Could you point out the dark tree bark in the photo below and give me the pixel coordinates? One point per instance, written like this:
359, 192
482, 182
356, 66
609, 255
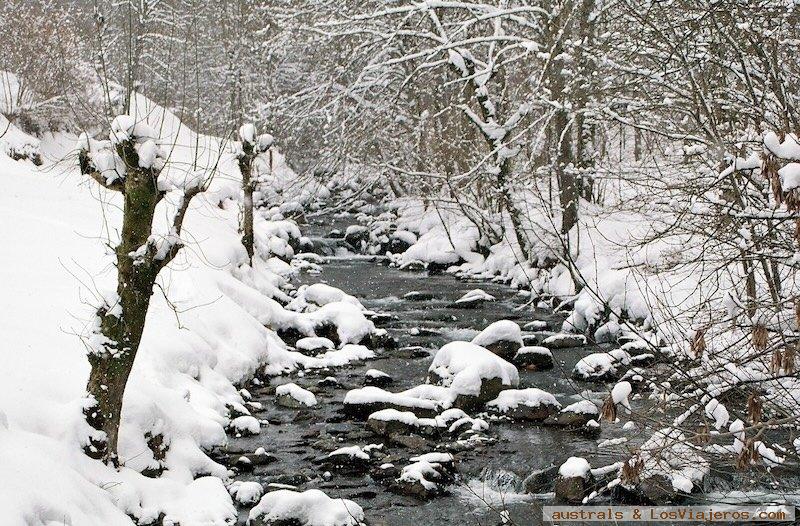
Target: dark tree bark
248, 187
138, 261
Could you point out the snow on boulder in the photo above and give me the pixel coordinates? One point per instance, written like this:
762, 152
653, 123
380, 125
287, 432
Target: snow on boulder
349, 460
389, 422
472, 299
293, 396
427, 476
341, 322
535, 325
246, 492
530, 404
377, 378
309, 508
564, 341
245, 425
367, 400
314, 345
601, 367
311, 297
576, 415
575, 480
474, 374
504, 338
533, 358
401, 240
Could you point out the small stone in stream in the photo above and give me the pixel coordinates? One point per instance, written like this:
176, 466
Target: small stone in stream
380, 318
243, 464
412, 442
377, 378
303, 416
414, 265
328, 381
243, 426
533, 358
335, 234
564, 341
384, 472
574, 481
472, 299
575, 415
380, 339
535, 325
423, 331
247, 461
314, 345
601, 367
541, 480
416, 295
351, 460
291, 479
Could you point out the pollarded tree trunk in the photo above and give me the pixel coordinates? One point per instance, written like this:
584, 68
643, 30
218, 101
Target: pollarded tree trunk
139, 259
248, 186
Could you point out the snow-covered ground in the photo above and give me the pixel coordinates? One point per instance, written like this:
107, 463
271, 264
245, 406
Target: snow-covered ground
206, 331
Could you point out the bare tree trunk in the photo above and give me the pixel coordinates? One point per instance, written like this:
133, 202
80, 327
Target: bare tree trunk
248, 186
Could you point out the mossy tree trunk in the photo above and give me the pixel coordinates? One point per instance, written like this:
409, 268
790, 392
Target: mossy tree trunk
121, 325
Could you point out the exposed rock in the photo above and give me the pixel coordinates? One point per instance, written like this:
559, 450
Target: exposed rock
472, 300
357, 236
416, 295
427, 477
541, 480
351, 460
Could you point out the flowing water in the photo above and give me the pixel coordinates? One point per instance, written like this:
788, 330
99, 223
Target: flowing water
490, 477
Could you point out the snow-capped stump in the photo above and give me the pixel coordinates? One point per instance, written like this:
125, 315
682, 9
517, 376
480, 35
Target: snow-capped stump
244, 425
350, 460
574, 481
564, 341
357, 236
286, 507
474, 374
601, 367
245, 492
377, 378
428, 476
533, 358
362, 402
530, 404
472, 299
503, 337
314, 345
575, 415
293, 396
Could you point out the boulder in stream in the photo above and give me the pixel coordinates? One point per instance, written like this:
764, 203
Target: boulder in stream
285, 507
293, 396
533, 358
472, 299
564, 341
314, 345
426, 477
503, 337
377, 378
530, 404
601, 367
576, 415
575, 480
474, 374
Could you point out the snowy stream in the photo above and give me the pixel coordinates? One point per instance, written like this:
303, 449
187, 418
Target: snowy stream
490, 477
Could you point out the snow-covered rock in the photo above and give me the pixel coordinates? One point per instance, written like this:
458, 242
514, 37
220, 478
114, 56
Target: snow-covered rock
309, 508
377, 378
533, 358
564, 341
314, 345
367, 400
472, 299
427, 476
504, 338
576, 415
389, 422
246, 492
530, 404
245, 425
601, 367
575, 480
350, 460
474, 374
293, 396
